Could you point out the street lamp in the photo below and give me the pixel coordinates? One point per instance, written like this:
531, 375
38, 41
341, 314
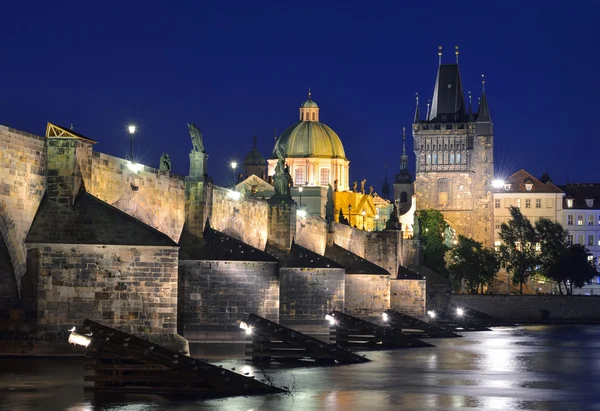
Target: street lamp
131, 129
233, 167
300, 191
363, 212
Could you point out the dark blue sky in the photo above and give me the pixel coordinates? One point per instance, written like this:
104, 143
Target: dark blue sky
242, 68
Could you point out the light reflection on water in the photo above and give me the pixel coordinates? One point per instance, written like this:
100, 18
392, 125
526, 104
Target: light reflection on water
524, 368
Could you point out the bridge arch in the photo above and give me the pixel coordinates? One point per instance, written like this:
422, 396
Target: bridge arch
137, 209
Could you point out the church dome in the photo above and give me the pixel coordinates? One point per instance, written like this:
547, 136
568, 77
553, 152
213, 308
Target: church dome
311, 139
309, 104
404, 177
254, 158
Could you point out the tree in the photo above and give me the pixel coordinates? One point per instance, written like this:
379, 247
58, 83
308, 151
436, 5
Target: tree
517, 253
474, 263
432, 226
567, 264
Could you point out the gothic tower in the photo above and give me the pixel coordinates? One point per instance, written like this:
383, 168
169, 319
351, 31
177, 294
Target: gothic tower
455, 160
404, 187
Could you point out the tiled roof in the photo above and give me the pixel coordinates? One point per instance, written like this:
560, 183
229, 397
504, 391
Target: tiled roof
581, 192
518, 182
352, 262
91, 221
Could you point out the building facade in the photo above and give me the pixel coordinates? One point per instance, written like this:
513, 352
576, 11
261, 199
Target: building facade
454, 154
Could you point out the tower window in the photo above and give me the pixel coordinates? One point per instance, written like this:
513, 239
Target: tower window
428, 158
313, 116
451, 158
442, 188
435, 158
457, 158
299, 178
403, 197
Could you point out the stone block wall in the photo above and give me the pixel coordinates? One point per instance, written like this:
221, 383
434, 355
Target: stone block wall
410, 254
352, 239
282, 223
130, 288
311, 233
308, 294
154, 197
367, 295
246, 218
408, 297
439, 289
534, 308
215, 295
383, 248
22, 185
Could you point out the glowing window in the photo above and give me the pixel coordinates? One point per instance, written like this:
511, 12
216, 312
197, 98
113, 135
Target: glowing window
299, 178
324, 176
579, 220
527, 203
442, 186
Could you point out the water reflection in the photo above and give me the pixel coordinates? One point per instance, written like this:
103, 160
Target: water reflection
529, 368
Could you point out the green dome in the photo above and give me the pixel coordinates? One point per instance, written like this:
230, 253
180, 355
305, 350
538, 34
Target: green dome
309, 104
311, 139
254, 158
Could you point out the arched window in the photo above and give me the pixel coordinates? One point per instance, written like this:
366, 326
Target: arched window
403, 197
428, 158
324, 176
442, 188
457, 158
313, 116
435, 158
299, 176
451, 158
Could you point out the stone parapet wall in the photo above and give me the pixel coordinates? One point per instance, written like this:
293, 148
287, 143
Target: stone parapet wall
308, 294
534, 308
245, 218
130, 288
352, 239
154, 197
408, 297
367, 295
311, 233
22, 185
384, 249
214, 296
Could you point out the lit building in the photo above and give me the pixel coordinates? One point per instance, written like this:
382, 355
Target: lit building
535, 199
580, 215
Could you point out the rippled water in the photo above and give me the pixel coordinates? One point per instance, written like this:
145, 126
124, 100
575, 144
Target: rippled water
522, 368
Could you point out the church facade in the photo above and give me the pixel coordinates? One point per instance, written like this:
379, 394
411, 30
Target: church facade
454, 149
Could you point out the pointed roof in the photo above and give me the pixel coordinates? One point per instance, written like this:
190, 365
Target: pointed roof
484, 111
218, 246
54, 130
448, 104
352, 262
417, 118
91, 221
300, 257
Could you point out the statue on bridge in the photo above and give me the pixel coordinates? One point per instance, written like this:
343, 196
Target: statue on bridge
282, 179
362, 185
196, 136
329, 204
165, 162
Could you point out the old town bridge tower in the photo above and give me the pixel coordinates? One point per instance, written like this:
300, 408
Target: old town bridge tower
454, 150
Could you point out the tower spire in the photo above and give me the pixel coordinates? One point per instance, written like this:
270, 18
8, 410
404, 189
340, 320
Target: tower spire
456, 52
484, 110
404, 156
417, 113
439, 55
470, 107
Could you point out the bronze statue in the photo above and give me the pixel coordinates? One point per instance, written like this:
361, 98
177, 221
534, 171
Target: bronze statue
370, 190
329, 204
165, 162
354, 185
335, 185
362, 185
282, 180
196, 136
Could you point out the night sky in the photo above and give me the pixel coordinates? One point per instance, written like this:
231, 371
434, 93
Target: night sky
239, 69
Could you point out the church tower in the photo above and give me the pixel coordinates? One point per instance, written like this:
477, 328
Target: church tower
455, 162
404, 187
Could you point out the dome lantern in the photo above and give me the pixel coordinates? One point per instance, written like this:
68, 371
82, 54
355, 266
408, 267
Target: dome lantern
309, 110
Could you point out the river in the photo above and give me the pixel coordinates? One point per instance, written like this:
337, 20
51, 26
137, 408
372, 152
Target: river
546, 367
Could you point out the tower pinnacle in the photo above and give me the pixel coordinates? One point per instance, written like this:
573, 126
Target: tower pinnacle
417, 113
456, 52
440, 55
484, 110
309, 94
404, 156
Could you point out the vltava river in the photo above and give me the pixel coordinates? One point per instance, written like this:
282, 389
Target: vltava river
522, 368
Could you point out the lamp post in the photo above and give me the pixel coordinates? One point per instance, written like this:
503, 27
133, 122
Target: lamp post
350, 214
131, 133
363, 212
233, 167
300, 191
